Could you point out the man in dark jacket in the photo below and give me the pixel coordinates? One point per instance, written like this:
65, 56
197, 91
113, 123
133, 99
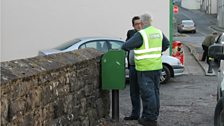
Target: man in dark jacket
209, 40
134, 88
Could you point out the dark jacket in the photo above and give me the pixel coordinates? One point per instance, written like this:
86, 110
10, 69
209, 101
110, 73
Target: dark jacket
209, 40
130, 33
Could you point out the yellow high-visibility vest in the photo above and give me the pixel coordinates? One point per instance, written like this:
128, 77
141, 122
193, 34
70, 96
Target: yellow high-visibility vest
149, 56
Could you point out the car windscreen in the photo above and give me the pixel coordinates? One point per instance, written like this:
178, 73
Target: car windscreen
67, 44
187, 23
220, 39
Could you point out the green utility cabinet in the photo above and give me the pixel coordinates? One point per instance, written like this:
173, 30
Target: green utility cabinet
113, 70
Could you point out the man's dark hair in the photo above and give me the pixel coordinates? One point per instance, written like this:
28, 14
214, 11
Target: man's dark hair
135, 18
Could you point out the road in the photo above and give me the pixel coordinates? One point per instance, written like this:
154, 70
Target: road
202, 21
203, 24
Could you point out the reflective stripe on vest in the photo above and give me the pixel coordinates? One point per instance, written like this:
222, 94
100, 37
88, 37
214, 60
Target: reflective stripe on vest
148, 56
148, 50
145, 38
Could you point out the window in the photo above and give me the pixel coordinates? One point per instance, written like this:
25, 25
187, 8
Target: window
115, 44
98, 45
188, 23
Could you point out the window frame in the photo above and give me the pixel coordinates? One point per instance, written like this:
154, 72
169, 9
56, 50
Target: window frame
91, 42
114, 41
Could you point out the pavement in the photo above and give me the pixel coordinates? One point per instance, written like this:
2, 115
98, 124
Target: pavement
217, 28
197, 52
205, 23
195, 48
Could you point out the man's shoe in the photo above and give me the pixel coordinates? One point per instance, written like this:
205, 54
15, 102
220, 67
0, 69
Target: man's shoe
131, 118
146, 122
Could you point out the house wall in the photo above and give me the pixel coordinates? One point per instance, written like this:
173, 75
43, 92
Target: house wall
32, 25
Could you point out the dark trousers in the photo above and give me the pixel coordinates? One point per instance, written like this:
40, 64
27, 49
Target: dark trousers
205, 53
149, 89
134, 92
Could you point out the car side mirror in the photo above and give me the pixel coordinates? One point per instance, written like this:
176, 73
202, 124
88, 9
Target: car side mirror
216, 51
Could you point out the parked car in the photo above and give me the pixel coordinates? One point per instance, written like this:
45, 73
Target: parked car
216, 51
186, 26
219, 110
171, 65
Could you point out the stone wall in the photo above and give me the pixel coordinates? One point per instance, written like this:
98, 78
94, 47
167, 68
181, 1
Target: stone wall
61, 89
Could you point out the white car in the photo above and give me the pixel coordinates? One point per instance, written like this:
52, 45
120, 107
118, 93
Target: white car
171, 65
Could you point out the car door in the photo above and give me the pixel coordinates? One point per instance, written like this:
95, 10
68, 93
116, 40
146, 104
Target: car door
221, 76
221, 68
100, 45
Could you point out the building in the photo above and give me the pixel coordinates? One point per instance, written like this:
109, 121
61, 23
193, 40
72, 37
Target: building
191, 4
177, 2
209, 6
220, 16
214, 7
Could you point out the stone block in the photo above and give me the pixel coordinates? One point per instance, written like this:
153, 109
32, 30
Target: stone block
33, 98
4, 109
17, 107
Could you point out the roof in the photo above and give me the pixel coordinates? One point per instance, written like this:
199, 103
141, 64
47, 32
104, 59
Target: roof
187, 21
94, 38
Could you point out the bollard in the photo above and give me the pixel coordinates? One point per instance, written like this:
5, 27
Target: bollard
209, 68
210, 60
115, 105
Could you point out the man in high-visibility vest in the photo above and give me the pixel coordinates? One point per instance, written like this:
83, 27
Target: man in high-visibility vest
148, 45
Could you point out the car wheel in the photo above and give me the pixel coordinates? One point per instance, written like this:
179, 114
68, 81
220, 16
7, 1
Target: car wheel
219, 113
165, 76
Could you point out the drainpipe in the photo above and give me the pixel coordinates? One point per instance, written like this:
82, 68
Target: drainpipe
210, 7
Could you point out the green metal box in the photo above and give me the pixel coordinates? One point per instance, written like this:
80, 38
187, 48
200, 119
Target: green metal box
113, 70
